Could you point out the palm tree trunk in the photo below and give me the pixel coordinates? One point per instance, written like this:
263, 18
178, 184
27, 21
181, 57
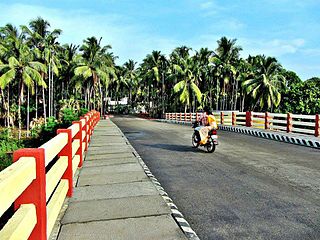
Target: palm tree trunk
101, 98
36, 100
232, 96
52, 96
236, 96
93, 91
49, 92
44, 105
62, 90
4, 104
28, 112
8, 117
243, 101
85, 98
19, 107
162, 94
106, 97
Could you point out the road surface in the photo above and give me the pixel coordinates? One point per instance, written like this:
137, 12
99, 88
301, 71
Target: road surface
249, 188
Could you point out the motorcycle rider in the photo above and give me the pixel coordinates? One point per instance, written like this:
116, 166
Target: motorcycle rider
209, 122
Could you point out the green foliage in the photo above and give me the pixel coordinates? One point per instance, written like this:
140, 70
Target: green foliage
303, 97
7, 146
68, 116
82, 112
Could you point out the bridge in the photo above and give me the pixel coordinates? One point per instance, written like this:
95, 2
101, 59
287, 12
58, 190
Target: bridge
249, 188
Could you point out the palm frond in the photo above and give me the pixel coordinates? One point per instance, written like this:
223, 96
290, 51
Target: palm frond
7, 77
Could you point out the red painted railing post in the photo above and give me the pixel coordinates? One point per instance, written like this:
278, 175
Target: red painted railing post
78, 136
221, 118
176, 116
234, 119
289, 122
67, 152
35, 192
266, 121
197, 116
317, 126
249, 121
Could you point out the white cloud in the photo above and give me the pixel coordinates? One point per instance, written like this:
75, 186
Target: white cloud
128, 40
311, 52
206, 5
274, 47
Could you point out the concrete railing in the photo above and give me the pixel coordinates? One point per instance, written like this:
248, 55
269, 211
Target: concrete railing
39, 180
296, 123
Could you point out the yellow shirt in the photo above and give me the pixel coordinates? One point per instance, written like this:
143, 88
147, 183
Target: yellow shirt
212, 121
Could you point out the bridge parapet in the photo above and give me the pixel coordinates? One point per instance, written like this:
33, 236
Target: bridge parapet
39, 180
295, 123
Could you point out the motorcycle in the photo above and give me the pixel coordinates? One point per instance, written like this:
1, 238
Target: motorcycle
212, 139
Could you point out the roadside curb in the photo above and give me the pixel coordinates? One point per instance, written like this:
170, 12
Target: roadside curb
280, 137
176, 214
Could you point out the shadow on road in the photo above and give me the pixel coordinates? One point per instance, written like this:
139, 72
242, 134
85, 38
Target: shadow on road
174, 147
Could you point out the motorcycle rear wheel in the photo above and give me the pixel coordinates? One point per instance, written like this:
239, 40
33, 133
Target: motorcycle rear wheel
210, 146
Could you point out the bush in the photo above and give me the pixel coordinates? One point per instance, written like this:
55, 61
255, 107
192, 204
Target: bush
7, 146
83, 111
68, 116
48, 131
40, 134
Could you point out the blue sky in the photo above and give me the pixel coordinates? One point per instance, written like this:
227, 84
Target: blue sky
286, 29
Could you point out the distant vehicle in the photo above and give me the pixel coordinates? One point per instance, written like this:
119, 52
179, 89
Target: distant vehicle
212, 139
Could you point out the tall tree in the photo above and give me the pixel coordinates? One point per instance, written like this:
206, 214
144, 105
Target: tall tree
225, 60
96, 65
21, 66
266, 83
186, 86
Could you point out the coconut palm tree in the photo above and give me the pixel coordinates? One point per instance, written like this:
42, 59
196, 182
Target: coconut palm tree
225, 60
266, 83
39, 37
95, 65
21, 66
130, 75
186, 86
203, 73
67, 57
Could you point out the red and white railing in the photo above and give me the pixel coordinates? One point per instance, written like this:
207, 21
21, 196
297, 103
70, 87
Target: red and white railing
295, 123
39, 180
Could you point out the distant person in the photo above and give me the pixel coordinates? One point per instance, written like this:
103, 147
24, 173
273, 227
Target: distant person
208, 122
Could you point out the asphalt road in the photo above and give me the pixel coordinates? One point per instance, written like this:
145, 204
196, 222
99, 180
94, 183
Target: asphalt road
249, 188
